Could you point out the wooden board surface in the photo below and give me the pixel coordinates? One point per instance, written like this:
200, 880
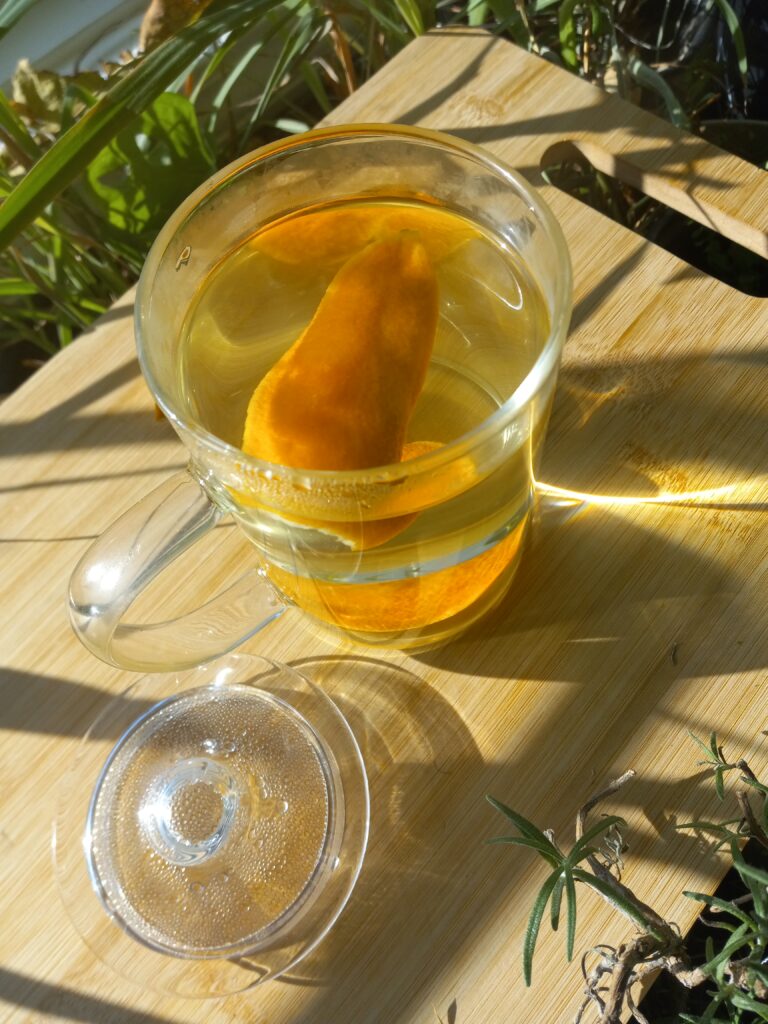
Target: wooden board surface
628, 624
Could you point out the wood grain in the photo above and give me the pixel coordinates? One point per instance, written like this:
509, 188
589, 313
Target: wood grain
628, 624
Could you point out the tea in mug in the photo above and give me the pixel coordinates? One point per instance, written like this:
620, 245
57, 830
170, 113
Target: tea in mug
362, 334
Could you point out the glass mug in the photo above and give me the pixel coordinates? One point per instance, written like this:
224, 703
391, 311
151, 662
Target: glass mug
455, 516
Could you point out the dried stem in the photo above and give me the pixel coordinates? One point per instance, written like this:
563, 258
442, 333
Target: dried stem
609, 983
666, 933
343, 52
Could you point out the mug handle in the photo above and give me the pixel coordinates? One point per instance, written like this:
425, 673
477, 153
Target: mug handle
132, 552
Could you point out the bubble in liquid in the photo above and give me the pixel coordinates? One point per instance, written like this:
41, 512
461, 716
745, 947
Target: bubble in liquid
278, 829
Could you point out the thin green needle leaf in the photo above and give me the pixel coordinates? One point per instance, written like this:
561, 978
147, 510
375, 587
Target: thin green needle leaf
739, 938
534, 922
531, 844
523, 825
617, 899
130, 95
746, 1002
725, 905
580, 848
703, 745
719, 787
570, 893
745, 869
557, 898
713, 745
754, 783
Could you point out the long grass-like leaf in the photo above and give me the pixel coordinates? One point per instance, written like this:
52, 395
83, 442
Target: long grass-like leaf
17, 286
312, 77
534, 922
567, 26
382, 17
734, 27
477, 13
296, 41
411, 15
16, 133
131, 94
650, 79
11, 11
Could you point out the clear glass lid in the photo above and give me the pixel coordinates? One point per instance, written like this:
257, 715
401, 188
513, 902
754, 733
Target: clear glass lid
219, 838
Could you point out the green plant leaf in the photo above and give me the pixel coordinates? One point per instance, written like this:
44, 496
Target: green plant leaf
617, 898
531, 844
527, 828
381, 16
131, 94
150, 166
580, 849
509, 20
734, 27
411, 15
708, 750
557, 897
719, 787
11, 11
570, 892
567, 28
755, 784
739, 938
724, 905
297, 40
745, 869
17, 286
534, 922
650, 79
311, 76
746, 1002
477, 13
16, 132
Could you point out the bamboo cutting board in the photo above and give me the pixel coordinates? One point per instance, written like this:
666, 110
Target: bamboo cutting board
628, 624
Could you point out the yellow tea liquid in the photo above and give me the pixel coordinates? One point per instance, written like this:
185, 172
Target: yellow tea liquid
440, 569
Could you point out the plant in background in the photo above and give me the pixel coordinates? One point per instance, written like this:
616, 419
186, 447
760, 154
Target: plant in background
92, 164
734, 970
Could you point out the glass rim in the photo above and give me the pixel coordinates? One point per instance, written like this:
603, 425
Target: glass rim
422, 464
